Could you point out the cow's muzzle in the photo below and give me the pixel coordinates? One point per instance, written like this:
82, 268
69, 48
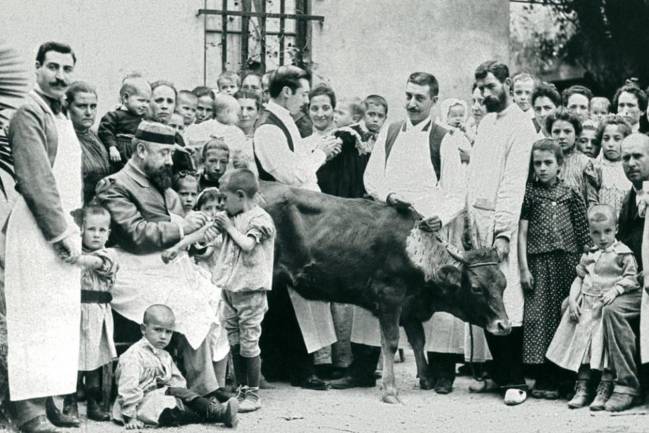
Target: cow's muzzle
499, 327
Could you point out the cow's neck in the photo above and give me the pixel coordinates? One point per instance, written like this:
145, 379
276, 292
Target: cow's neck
427, 253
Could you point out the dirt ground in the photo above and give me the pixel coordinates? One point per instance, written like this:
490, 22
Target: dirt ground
293, 410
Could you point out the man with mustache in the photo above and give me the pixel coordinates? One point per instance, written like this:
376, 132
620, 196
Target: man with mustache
146, 219
42, 284
497, 175
416, 164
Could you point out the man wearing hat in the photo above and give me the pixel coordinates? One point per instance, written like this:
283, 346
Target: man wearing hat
146, 219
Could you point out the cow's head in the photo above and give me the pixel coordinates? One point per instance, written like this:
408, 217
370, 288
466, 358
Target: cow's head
475, 289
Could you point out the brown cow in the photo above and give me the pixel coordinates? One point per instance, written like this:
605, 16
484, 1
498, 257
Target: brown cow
365, 253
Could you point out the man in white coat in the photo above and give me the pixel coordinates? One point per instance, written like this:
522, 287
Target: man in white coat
415, 163
293, 327
497, 175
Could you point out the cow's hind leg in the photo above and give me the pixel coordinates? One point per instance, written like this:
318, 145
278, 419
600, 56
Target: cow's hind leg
416, 338
389, 319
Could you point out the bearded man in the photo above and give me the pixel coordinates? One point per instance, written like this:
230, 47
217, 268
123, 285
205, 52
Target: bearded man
146, 220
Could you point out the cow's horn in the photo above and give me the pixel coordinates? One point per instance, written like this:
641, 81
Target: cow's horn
456, 253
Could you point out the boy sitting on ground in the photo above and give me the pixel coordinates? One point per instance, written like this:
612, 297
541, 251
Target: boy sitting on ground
150, 388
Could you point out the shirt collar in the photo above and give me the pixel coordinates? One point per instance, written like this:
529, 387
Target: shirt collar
278, 110
512, 107
56, 105
422, 126
146, 343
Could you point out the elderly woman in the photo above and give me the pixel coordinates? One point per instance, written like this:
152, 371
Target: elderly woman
82, 106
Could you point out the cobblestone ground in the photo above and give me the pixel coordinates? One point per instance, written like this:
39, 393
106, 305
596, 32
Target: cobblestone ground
288, 410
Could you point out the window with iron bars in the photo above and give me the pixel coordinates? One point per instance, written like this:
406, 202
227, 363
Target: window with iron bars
255, 35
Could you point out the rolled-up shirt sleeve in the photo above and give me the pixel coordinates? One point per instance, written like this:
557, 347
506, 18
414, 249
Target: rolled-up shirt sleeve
34, 177
276, 158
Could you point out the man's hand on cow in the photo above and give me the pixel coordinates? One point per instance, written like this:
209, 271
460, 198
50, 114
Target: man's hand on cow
114, 154
431, 225
194, 221
527, 281
397, 201
68, 249
502, 248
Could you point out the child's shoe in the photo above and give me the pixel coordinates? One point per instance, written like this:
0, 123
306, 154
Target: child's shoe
70, 406
582, 395
241, 393
603, 393
224, 412
251, 402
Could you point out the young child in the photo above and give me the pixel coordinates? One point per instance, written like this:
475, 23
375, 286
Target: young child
376, 112
186, 185
150, 388
228, 83
186, 105
608, 270
578, 170
348, 111
587, 142
454, 114
551, 237
522, 88
177, 122
599, 108
615, 185
243, 266
204, 104
96, 337
134, 94
226, 113
215, 159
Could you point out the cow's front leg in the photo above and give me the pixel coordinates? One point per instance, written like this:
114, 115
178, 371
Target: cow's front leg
389, 319
416, 338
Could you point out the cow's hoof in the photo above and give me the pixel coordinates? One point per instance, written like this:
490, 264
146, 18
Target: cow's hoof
426, 383
391, 399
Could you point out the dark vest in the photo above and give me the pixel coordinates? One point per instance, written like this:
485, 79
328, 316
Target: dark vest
435, 137
268, 118
630, 227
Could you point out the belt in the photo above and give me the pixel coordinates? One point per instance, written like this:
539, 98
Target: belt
93, 297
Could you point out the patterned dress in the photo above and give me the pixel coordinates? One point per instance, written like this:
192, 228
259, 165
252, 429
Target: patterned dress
96, 340
556, 236
579, 173
615, 184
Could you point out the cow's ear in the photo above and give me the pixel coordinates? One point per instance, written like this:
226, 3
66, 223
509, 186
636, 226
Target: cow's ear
450, 275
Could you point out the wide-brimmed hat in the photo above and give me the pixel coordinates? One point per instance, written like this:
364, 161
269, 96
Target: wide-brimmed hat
156, 133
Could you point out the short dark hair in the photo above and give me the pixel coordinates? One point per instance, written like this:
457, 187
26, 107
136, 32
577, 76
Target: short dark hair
78, 87
323, 90
201, 91
545, 144
249, 94
187, 93
286, 76
613, 119
498, 69
376, 100
547, 90
208, 194
215, 144
563, 114
636, 91
54, 46
184, 176
93, 208
576, 89
425, 79
241, 179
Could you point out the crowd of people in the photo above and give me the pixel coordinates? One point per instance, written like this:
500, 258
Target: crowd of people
152, 227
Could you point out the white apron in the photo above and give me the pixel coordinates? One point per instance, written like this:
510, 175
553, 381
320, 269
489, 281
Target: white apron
644, 305
144, 280
43, 293
366, 329
316, 323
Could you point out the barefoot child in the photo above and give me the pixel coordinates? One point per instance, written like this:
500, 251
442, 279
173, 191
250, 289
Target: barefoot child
150, 388
96, 338
607, 271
